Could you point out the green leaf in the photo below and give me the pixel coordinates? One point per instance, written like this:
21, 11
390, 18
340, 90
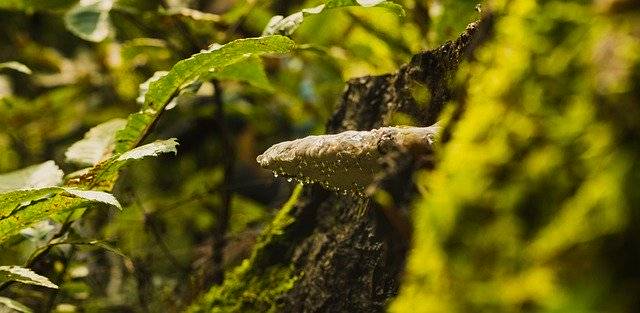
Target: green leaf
137, 126
21, 208
287, 25
251, 71
14, 305
16, 66
97, 144
144, 87
186, 72
89, 19
36, 209
12, 201
93, 195
369, 3
191, 69
46, 174
24, 275
389, 5
103, 175
152, 149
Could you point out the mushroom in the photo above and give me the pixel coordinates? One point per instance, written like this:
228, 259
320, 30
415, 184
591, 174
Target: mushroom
346, 162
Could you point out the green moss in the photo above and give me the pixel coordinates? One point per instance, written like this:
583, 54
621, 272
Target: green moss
256, 284
530, 206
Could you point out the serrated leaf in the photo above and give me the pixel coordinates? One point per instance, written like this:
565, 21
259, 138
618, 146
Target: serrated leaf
287, 25
16, 66
137, 126
14, 305
89, 19
389, 5
93, 195
187, 71
31, 208
24, 275
11, 201
152, 149
21, 208
103, 175
250, 71
369, 3
46, 174
144, 87
97, 143
26, 214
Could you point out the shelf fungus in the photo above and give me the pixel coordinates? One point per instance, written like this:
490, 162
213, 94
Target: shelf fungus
346, 162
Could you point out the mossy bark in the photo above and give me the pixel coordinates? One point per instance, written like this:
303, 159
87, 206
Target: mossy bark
342, 253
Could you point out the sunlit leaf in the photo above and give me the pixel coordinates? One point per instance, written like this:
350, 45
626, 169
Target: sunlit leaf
369, 3
93, 195
22, 208
11, 201
191, 69
186, 72
287, 25
144, 87
389, 5
46, 174
14, 305
97, 143
89, 19
24, 275
152, 149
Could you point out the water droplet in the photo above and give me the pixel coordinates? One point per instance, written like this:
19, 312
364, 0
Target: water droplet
289, 179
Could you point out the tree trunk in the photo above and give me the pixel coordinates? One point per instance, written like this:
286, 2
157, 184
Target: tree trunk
341, 253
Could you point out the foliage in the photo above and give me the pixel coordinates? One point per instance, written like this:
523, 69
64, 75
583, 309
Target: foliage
70, 68
24, 275
531, 206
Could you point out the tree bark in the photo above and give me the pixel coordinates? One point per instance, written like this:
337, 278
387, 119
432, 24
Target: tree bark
350, 253
346, 253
